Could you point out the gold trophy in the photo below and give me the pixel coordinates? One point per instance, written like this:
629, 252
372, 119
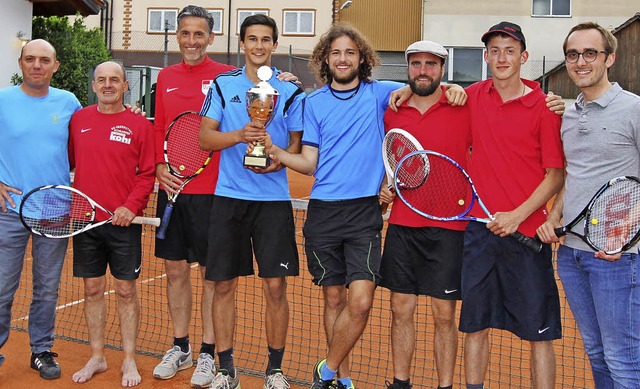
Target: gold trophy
261, 103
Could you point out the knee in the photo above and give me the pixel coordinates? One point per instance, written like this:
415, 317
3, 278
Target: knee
360, 305
402, 308
275, 289
334, 299
224, 288
177, 273
126, 292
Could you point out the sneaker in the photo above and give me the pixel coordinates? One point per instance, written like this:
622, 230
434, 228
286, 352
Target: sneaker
275, 380
45, 363
223, 380
172, 362
205, 371
319, 383
340, 385
1, 359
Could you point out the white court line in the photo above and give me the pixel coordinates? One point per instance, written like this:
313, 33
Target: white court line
112, 291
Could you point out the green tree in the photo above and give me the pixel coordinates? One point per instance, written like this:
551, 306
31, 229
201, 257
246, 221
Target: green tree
78, 49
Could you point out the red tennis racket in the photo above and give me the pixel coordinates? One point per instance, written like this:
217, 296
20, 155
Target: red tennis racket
437, 187
396, 144
184, 158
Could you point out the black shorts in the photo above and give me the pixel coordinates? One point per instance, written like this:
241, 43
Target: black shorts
240, 228
342, 240
118, 247
423, 261
187, 232
507, 286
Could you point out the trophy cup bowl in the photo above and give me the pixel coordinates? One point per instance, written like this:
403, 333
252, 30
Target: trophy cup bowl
261, 103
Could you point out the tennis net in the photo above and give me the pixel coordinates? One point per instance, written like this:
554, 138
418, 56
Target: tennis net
371, 360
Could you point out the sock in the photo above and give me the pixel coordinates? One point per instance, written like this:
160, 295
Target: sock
402, 383
183, 343
226, 361
208, 348
275, 359
475, 386
346, 381
445, 387
326, 374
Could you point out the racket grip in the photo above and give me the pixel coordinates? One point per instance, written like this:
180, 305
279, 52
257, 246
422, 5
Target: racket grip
533, 244
152, 221
166, 216
384, 207
560, 231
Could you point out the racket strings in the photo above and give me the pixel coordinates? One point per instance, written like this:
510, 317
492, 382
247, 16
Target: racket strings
434, 186
183, 150
397, 146
614, 218
57, 211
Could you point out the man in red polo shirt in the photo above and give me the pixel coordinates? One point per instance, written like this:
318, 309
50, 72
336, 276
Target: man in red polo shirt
517, 166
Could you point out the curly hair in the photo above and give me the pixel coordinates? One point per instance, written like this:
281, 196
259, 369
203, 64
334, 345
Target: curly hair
368, 55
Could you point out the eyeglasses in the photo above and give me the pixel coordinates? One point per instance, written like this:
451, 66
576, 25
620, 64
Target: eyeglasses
587, 55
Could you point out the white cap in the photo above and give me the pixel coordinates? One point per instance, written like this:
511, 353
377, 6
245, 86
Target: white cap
426, 47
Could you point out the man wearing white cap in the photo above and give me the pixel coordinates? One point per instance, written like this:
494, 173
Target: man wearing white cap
423, 257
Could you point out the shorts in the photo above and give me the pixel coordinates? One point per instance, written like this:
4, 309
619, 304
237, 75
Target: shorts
424, 261
507, 286
187, 232
118, 247
342, 240
240, 228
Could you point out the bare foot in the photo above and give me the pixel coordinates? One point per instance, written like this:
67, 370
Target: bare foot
94, 366
130, 375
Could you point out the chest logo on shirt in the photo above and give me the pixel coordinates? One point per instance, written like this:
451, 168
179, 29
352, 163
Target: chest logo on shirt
54, 119
206, 85
121, 134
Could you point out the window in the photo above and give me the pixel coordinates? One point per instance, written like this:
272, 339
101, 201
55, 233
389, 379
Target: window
551, 8
158, 19
299, 22
245, 13
217, 20
465, 66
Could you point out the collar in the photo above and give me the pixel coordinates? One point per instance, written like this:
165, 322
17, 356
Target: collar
201, 65
603, 100
528, 100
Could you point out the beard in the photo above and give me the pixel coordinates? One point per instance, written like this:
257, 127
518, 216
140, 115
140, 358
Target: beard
345, 78
424, 90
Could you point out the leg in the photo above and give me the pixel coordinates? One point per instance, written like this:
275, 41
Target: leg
403, 334
277, 311
48, 259
13, 245
351, 322
335, 300
476, 356
224, 313
129, 314
95, 315
445, 339
179, 295
543, 365
207, 305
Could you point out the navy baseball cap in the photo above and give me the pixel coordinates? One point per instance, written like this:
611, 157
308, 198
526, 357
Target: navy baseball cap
511, 29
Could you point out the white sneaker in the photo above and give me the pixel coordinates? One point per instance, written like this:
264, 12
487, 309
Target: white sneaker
205, 371
223, 380
172, 362
275, 380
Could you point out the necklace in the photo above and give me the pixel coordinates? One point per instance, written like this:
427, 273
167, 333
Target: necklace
344, 98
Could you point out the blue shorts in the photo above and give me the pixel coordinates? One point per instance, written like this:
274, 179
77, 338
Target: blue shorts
506, 285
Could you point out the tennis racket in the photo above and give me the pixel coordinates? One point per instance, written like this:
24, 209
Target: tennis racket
437, 187
58, 211
612, 217
183, 156
396, 144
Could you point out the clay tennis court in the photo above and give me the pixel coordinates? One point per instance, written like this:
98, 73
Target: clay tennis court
371, 359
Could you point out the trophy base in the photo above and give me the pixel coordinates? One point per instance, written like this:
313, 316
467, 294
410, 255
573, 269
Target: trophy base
261, 161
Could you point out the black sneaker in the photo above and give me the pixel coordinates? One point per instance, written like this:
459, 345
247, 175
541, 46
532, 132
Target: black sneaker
1, 359
318, 382
45, 363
